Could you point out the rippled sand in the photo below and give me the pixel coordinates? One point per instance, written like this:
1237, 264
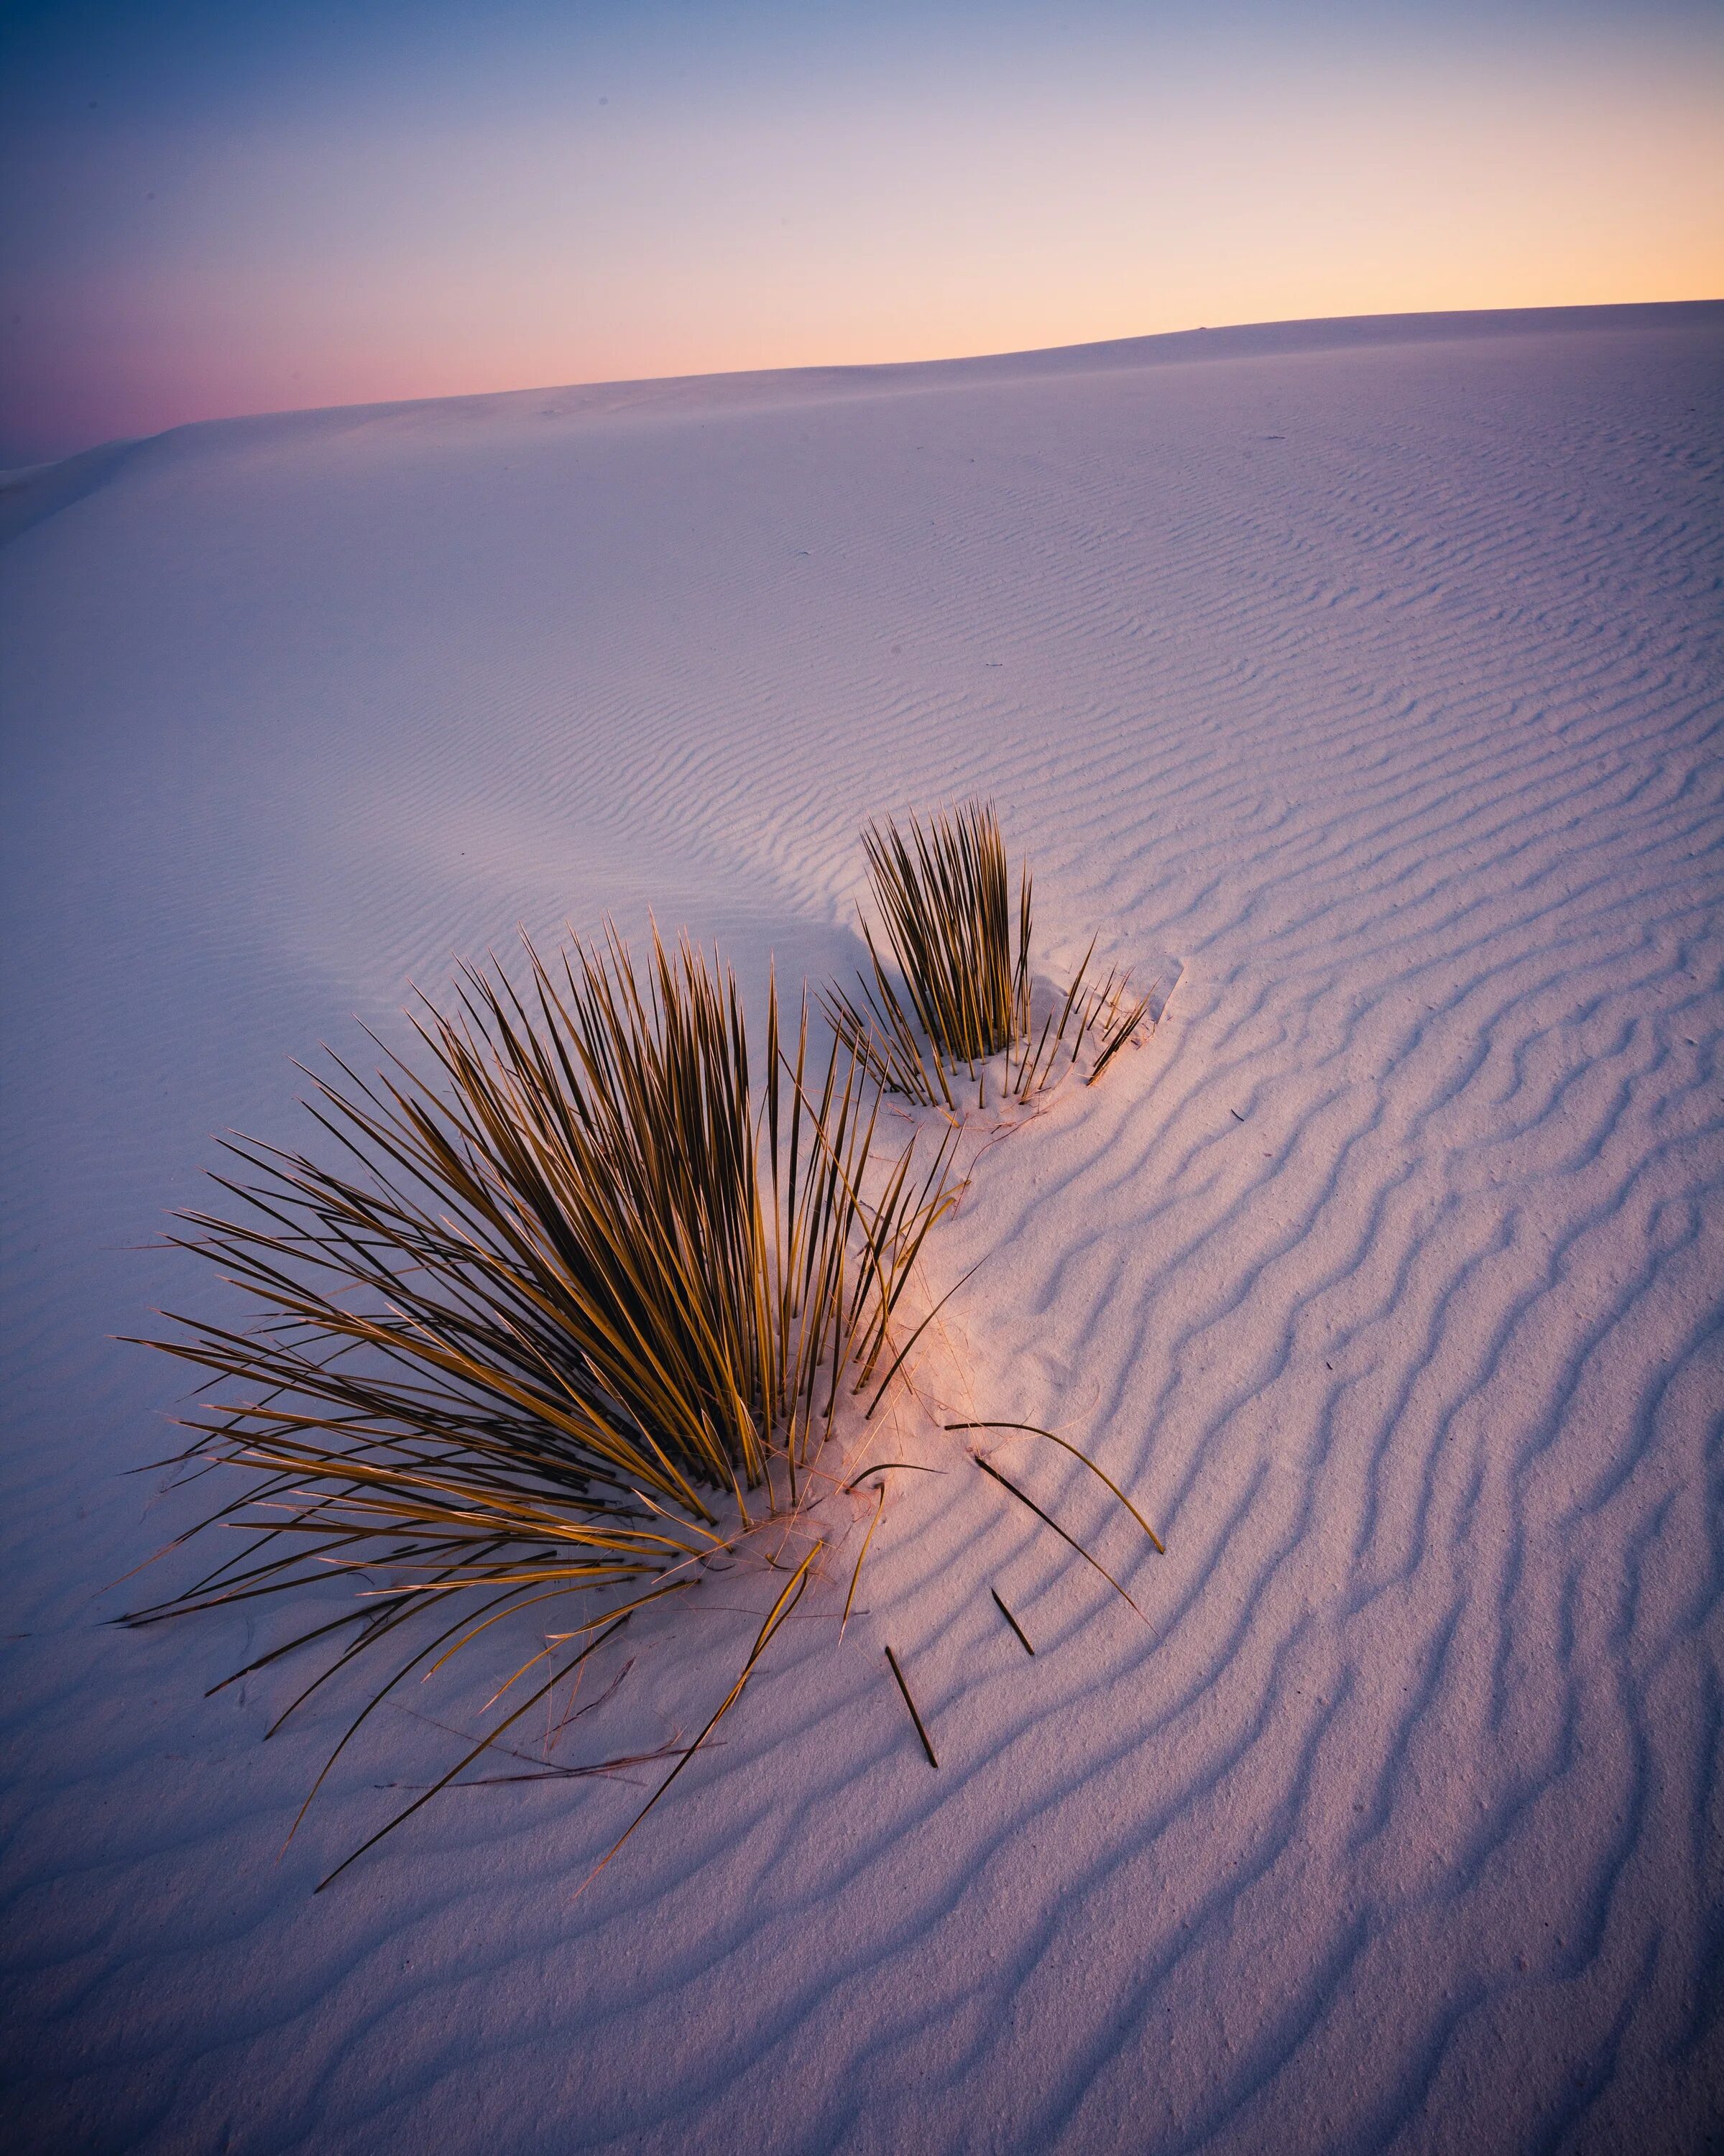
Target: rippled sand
1370, 673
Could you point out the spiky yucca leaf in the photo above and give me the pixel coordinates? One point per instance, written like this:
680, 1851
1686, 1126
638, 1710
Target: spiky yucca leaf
563, 1310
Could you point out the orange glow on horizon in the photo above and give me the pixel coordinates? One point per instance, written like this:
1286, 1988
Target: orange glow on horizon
434, 256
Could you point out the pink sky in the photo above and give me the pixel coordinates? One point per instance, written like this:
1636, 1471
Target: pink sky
468, 220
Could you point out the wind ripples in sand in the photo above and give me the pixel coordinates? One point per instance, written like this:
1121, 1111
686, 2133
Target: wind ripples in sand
1380, 684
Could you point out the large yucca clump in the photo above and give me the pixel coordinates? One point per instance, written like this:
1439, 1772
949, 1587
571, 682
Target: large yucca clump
962, 991
566, 1310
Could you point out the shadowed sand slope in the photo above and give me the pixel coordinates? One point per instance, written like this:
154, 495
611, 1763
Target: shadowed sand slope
1374, 679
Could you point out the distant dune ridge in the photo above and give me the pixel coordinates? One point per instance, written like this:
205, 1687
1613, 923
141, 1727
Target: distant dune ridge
1369, 673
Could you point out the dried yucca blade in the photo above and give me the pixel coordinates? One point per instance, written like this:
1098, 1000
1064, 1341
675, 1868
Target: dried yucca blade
561, 1294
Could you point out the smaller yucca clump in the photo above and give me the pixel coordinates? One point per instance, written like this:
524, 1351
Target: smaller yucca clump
963, 992
561, 1314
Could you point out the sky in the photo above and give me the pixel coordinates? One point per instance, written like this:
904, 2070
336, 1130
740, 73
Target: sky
210, 209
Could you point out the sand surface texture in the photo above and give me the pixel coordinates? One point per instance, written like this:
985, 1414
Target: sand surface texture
1370, 672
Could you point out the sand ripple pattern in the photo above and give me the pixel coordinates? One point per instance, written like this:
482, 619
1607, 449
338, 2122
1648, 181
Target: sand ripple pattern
1378, 679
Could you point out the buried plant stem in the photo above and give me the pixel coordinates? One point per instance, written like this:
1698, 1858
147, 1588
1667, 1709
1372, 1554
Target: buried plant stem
1024, 1636
861, 1553
920, 1728
1034, 1429
551, 1772
1048, 1521
879, 1467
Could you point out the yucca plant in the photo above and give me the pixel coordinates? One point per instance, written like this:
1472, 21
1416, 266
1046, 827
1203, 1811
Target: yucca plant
964, 991
567, 1310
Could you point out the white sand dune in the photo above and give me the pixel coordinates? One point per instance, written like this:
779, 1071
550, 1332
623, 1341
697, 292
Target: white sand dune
1370, 670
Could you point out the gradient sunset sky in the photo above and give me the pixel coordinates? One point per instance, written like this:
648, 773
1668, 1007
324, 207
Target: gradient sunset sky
213, 209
